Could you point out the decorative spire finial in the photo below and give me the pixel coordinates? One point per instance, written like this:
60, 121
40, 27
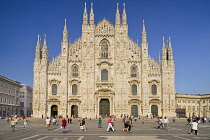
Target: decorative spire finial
85, 10
124, 8
38, 43
91, 10
117, 9
45, 40
143, 26
65, 25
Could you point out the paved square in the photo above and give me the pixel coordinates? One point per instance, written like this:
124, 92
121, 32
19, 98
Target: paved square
36, 131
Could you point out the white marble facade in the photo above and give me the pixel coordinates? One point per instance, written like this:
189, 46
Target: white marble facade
103, 72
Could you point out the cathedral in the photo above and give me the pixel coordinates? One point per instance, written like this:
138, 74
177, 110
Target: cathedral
104, 72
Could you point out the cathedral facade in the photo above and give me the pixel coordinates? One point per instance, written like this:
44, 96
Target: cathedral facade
103, 72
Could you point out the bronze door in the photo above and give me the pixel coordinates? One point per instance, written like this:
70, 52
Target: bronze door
104, 107
154, 110
134, 110
74, 111
54, 110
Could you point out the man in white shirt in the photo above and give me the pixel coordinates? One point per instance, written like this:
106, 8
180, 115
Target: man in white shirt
47, 123
165, 123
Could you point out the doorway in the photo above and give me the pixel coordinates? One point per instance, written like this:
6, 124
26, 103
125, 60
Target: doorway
74, 111
104, 107
54, 111
134, 110
154, 110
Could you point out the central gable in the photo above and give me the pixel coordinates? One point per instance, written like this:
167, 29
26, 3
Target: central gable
104, 28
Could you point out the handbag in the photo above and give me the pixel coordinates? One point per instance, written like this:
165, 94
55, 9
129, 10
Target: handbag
81, 127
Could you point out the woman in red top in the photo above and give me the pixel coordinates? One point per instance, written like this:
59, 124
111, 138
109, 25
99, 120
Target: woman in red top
64, 125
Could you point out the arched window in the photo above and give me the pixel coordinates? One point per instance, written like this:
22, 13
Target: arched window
74, 71
133, 71
104, 75
74, 89
134, 89
54, 89
154, 89
104, 49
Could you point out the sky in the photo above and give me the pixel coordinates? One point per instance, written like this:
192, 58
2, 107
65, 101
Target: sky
187, 22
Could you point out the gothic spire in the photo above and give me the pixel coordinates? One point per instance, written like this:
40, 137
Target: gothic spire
38, 48
65, 32
124, 17
44, 49
117, 17
85, 16
91, 14
144, 34
163, 44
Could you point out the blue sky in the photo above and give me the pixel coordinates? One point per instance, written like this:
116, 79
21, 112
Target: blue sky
187, 22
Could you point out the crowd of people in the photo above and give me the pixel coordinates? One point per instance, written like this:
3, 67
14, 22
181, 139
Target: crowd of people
127, 122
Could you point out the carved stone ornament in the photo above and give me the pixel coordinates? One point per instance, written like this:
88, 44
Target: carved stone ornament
155, 101
133, 101
109, 63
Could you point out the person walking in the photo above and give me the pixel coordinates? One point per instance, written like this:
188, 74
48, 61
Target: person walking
25, 121
99, 123
110, 124
188, 120
12, 123
47, 123
83, 124
125, 120
54, 121
64, 125
194, 126
129, 124
165, 123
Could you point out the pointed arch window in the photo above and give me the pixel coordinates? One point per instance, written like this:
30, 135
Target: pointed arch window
104, 75
74, 89
54, 89
134, 89
75, 70
104, 49
154, 89
134, 71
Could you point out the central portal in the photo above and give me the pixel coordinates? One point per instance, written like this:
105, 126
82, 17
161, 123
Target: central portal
104, 109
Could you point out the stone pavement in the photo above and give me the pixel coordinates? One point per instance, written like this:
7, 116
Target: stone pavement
148, 131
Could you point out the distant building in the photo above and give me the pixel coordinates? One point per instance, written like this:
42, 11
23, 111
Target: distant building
26, 97
9, 97
192, 105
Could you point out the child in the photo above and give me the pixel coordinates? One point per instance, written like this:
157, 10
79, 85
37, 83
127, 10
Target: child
194, 126
99, 123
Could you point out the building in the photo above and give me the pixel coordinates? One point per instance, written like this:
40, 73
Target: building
26, 100
103, 72
9, 97
193, 105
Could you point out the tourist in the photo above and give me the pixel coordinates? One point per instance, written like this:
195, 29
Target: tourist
129, 124
16, 120
47, 123
125, 120
188, 120
83, 124
99, 123
12, 123
173, 119
165, 123
54, 121
194, 126
25, 121
64, 125
110, 124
